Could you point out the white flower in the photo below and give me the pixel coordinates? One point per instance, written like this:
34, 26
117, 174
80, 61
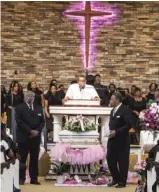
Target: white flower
147, 124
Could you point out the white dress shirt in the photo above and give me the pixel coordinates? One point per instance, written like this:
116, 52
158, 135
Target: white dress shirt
116, 109
88, 92
30, 105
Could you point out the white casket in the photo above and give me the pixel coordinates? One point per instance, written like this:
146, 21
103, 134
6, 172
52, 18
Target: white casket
79, 139
147, 140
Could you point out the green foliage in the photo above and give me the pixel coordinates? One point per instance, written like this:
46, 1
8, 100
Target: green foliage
75, 125
61, 168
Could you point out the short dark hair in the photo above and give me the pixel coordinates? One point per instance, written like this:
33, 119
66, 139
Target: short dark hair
90, 79
112, 84
73, 82
133, 86
97, 75
118, 96
61, 86
137, 89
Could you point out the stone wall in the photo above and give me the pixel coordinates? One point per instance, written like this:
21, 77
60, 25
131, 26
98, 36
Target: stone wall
41, 44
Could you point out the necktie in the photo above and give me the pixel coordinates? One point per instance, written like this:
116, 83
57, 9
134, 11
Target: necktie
31, 107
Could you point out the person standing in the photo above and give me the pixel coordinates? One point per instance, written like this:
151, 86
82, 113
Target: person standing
81, 90
137, 104
39, 97
118, 143
52, 98
102, 90
151, 94
13, 98
30, 122
112, 89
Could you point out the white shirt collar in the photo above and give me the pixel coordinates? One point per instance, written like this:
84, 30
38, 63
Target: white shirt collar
30, 105
117, 107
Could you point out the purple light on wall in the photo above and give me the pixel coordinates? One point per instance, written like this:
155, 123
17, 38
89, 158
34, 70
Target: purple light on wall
96, 22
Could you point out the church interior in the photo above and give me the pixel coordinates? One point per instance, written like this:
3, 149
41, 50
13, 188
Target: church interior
114, 42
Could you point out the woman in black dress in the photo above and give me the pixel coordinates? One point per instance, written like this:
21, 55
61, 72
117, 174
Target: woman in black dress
3, 100
53, 97
138, 104
112, 89
39, 98
151, 94
13, 98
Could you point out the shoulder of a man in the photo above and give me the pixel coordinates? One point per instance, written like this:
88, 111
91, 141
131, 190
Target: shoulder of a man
73, 86
38, 108
20, 106
126, 110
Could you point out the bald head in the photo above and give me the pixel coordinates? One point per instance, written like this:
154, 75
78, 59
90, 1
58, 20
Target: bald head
29, 97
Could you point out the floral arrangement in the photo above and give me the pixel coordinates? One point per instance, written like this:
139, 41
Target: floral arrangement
79, 124
99, 176
150, 118
140, 168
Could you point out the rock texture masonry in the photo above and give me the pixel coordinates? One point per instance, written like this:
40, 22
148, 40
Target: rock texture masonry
41, 44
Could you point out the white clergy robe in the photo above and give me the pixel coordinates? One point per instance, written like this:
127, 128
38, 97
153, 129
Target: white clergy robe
88, 92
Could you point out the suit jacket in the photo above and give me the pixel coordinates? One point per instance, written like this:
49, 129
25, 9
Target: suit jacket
27, 121
103, 93
121, 122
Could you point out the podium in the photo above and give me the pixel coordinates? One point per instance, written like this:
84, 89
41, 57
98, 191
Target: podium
92, 112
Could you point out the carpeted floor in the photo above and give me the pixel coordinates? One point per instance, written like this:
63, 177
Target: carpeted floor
48, 187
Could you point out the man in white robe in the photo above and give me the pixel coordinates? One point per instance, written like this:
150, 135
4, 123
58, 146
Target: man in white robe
81, 90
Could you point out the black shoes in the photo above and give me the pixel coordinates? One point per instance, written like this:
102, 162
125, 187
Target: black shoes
112, 183
120, 186
35, 183
16, 190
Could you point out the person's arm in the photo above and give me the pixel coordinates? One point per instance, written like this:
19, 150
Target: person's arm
42, 122
46, 109
21, 124
94, 94
128, 123
42, 100
8, 101
68, 94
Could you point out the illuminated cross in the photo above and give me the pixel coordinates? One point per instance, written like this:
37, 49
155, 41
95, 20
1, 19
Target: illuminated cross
87, 14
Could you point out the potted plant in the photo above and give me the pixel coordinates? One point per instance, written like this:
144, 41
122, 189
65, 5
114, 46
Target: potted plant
60, 169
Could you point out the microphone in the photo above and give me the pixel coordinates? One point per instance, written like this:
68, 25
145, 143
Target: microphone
81, 88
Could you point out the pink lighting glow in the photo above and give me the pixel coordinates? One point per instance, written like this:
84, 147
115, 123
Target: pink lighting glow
96, 23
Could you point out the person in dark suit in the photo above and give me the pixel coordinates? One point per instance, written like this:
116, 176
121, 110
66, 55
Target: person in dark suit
30, 122
118, 143
102, 90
